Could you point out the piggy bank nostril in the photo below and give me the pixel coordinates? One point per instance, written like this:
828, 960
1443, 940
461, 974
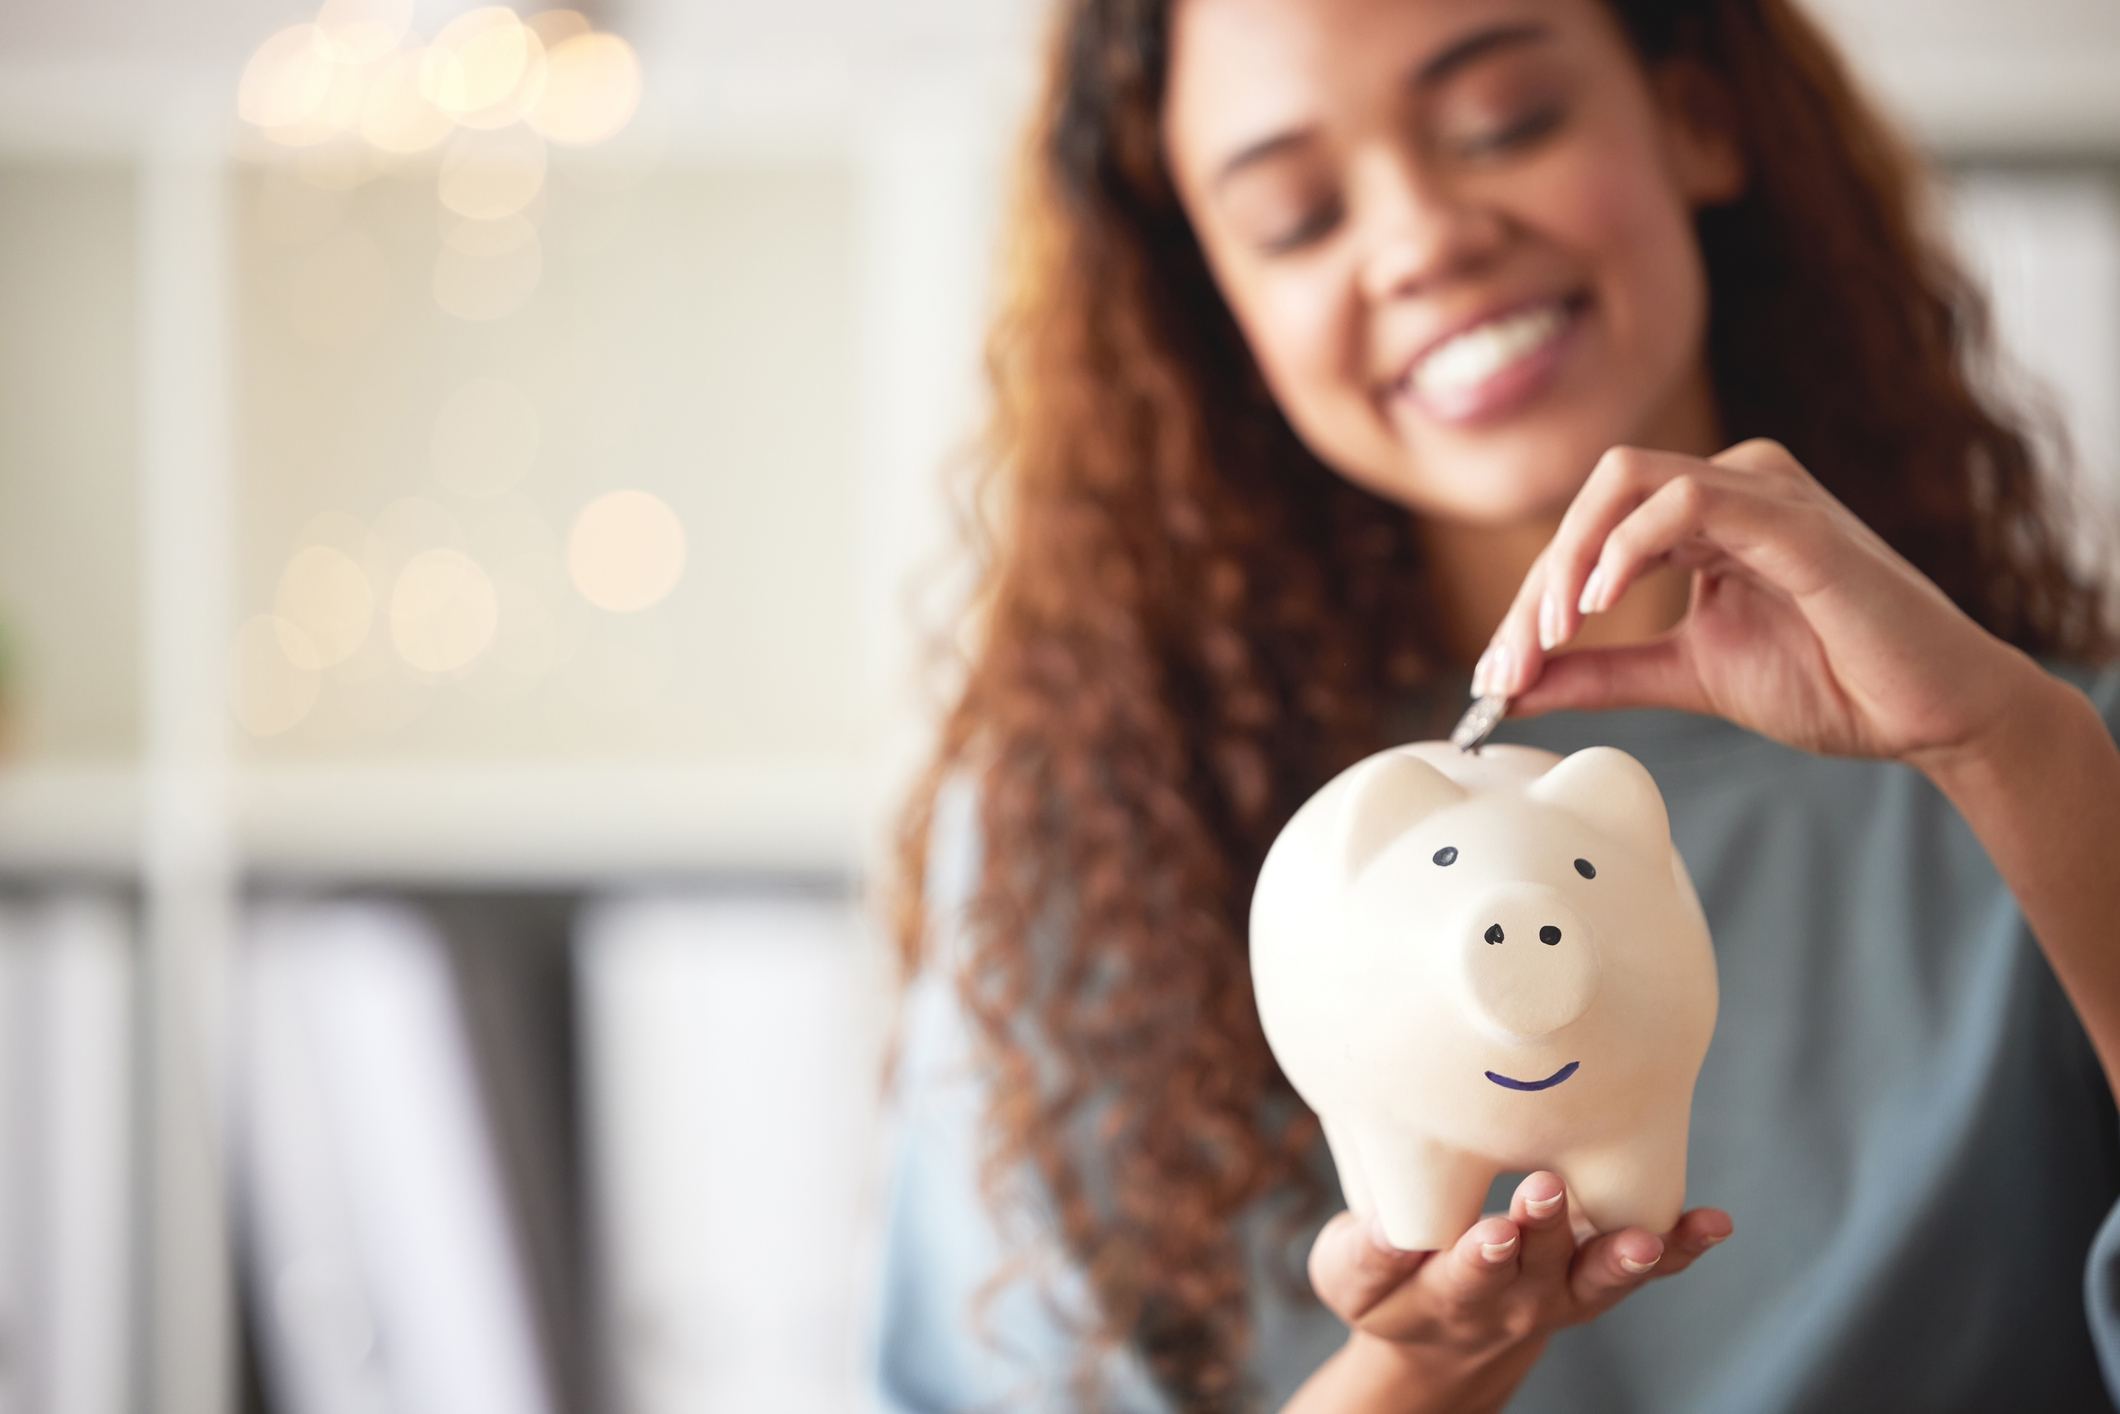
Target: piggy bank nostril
1523, 991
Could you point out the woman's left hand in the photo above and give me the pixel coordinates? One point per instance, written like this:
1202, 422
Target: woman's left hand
1808, 628
1804, 625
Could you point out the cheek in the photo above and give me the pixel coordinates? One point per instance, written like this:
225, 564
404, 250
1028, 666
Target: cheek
1636, 236
1305, 333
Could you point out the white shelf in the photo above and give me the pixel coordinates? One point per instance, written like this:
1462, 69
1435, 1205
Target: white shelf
499, 824
69, 819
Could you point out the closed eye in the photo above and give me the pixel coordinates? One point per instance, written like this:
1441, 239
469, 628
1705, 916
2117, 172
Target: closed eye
1521, 133
1314, 227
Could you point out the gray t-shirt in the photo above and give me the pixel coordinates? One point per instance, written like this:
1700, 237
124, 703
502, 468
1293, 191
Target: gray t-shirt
1900, 1109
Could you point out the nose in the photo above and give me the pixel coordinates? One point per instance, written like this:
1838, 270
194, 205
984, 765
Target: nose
1529, 964
1417, 231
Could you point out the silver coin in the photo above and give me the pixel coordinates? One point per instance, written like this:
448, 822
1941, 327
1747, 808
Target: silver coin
1479, 721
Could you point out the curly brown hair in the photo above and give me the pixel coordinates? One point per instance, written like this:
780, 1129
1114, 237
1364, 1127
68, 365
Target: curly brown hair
1188, 622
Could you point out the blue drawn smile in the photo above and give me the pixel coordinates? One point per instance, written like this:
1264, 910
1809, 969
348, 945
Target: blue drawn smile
1547, 1084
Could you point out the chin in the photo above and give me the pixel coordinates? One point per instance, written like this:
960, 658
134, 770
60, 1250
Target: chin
1500, 477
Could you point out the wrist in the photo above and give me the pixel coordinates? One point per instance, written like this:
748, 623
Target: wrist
2035, 715
1414, 1378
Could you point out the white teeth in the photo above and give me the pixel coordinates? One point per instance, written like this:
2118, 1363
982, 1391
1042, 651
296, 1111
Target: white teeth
1469, 359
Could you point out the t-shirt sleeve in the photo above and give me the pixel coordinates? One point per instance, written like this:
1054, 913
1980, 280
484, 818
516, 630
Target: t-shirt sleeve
948, 1336
2102, 1274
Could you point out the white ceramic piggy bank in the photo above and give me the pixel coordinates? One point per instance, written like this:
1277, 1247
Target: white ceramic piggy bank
1477, 964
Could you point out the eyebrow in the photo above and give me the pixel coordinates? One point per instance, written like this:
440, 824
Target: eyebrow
1474, 46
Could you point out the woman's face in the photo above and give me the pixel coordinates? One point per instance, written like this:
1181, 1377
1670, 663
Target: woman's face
1457, 234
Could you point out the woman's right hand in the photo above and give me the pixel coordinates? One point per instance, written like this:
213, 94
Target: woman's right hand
1459, 1329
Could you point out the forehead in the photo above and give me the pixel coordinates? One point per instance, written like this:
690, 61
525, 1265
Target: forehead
1245, 69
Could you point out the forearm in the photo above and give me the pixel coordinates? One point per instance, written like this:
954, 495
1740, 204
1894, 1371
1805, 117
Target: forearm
2043, 795
1374, 1376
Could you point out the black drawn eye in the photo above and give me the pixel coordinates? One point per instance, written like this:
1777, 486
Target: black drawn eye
1447, 855
1494, 933
1585, 868
1550, 936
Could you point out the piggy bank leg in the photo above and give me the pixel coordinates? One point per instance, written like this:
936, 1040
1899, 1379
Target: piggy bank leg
1354, 1184
1426, 1193
1638, 1184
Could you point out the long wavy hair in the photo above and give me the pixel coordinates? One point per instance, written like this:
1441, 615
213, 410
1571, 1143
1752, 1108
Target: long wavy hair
1186, 622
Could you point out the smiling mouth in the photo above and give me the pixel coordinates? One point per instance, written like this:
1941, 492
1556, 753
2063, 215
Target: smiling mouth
1547, 1084
1459, 365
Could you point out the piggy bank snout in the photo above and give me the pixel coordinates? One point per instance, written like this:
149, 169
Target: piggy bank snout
1529, 961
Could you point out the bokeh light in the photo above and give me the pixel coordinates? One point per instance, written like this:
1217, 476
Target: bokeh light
485, 439
341, 291
484, 68
488, 175
492, 95
359, 69
397, 117
362, 31
341, 107
325, 595
443, 611
529, 87
592, 88
270, 690
626, 551
287, 80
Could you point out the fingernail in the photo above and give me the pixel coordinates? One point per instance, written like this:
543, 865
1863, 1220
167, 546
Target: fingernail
1543, 1207
1592, 601
1491, 673
1501, 670
1549, 621
1497, 1251
1635, 1268
1707, 1242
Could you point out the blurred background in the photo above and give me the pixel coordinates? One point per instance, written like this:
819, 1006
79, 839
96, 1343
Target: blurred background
471, 487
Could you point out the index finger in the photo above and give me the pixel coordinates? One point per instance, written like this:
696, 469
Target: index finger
1548, 610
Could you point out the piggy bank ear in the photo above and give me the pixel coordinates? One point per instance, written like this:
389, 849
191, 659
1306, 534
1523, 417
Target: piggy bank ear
1388, 795
1613, 793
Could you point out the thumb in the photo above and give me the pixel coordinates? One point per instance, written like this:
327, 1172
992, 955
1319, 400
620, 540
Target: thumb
1352, 1267
1656, 674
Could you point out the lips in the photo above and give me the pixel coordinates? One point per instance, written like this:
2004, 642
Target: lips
1547, 1084
1485, 367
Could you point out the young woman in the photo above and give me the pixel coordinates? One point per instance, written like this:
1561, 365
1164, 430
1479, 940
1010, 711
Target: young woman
1356, 344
